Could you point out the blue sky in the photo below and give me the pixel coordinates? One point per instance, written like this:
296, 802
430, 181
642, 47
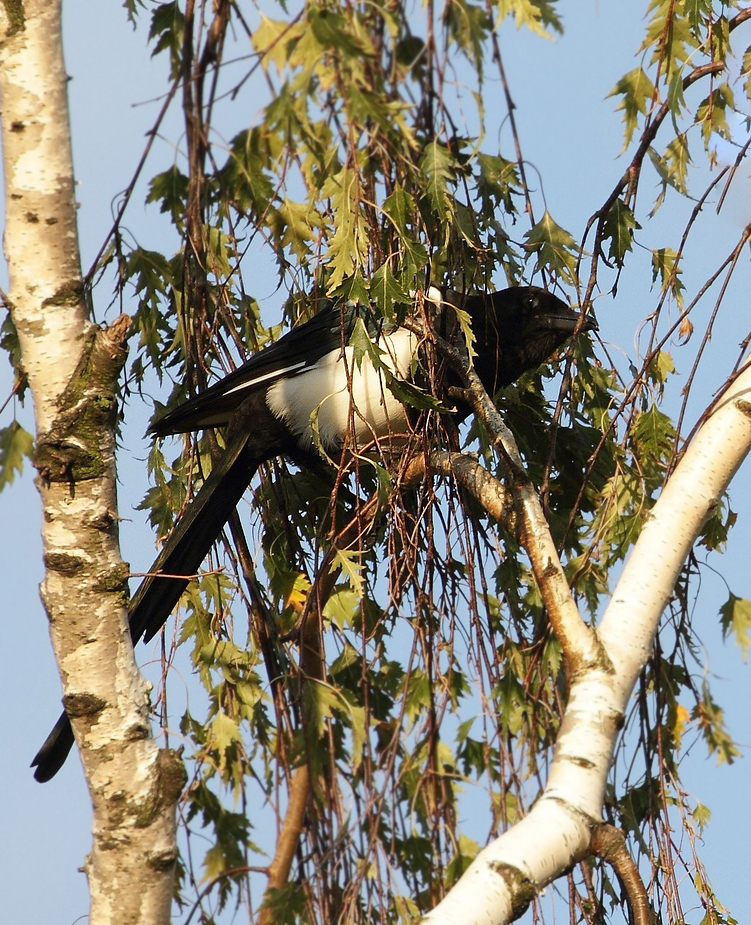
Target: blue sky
573, 136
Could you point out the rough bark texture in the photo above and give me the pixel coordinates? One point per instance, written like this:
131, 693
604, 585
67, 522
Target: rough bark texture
72, 368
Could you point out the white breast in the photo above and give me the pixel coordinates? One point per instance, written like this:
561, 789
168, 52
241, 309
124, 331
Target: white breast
323, 394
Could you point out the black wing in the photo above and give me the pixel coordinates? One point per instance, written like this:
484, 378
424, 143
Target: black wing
292, 354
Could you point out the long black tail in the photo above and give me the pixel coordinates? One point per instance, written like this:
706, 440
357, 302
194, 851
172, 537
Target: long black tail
182, 555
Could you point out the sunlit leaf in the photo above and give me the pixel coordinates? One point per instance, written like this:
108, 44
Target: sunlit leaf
735, 619
16, 445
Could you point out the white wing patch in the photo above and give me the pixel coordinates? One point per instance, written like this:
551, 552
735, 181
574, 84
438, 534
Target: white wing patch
369, 406
252, 383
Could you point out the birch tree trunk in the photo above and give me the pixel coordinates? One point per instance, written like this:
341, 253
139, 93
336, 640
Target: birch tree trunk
565, 824
72, 368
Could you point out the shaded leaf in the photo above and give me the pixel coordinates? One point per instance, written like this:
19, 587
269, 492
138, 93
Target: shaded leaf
618, 228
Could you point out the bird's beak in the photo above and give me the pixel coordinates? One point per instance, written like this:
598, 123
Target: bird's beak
568, 322
590, 323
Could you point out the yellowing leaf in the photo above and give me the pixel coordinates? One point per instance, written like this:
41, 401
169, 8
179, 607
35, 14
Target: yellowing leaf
685, 331
224, 734
298, 593
273, 38
682, 718
300, 219
534, 14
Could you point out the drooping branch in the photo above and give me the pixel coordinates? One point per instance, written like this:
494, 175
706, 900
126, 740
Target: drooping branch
609, 844
578, 643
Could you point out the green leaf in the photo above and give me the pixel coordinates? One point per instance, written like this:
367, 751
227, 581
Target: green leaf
322, 702
697, 12
674, 163
618, 229
355, 717
511, 702
353, 290
660, 368
637, 92
701, 816
676, 99
224, 732
714, 532
9, 343
653, 440
436, 166
366, 107
468, 25
465, 324
16, 444
468, 849
363, 346
219, 251
669, 34
497, 183
285, 906
712, 114
333, 31
131, 6
711, 719
400, 208
168, 28
417, 695
274, 40
348, 248
746, 73
342, 608
666, 268
170, 190
299, 224
555, 248
349, 562
735, 619
413, 395
387, 291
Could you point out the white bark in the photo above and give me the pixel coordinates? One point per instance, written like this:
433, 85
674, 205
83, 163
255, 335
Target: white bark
687, 500
72, 369
557, 832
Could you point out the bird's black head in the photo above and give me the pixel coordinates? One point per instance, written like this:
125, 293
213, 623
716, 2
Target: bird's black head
518, 329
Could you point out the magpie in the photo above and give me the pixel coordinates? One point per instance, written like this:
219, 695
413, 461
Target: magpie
312, 389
